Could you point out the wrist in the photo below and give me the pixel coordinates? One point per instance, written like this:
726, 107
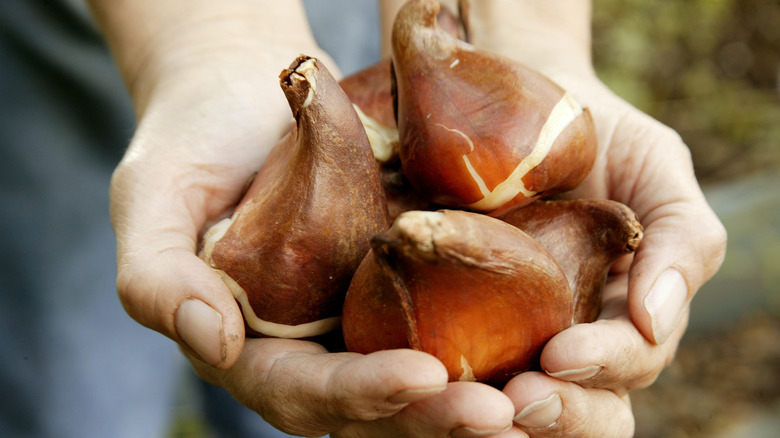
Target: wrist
183, 43
553, 37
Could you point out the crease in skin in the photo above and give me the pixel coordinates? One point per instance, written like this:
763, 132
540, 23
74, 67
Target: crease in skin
309, 329
562, 114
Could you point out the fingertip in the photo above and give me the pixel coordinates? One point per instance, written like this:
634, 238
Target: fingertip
175, 293
536, 398
207, 319
203, 331
200, 328
529, 386
549, 407
541, 413
491, 416
658, 284
683, 247
576, 354
400, 376
658, 312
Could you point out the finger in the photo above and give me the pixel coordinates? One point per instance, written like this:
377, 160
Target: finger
681, 250
684, 242
300, 388
548, 407
610, 353
464, 409
161, 282
176, 294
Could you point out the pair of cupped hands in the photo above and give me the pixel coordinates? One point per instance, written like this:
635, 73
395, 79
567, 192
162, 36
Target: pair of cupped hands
208, 117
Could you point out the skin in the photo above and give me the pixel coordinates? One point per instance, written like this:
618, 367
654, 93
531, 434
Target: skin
203, 78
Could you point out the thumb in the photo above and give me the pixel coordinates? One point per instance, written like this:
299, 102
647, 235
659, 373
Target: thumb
683, 246
161, 282
175, 293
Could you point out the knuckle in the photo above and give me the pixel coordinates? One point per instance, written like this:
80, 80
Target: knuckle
127, 290
612, 418
711, 246
717, 238
624, 424
289, 414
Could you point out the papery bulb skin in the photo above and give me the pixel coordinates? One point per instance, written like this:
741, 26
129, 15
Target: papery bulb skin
477, 293
479, 131
585, 236
290, 248
401, 196
370, 91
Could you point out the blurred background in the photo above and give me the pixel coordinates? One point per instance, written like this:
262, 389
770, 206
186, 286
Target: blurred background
710, 69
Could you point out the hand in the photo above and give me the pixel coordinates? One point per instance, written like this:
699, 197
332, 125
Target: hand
591, 367
209, 110
646, 166
300, 388
204, 81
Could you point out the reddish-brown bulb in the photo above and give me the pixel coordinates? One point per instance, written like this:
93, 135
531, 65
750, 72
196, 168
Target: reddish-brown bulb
479, 131
289, 250
477, 293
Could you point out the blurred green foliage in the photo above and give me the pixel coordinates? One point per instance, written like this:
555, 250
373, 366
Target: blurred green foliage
707, 68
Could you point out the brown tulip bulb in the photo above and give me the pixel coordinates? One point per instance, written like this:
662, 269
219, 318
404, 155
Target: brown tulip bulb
400, 194
479, 131
476, 292
585, 236
290, 248
370, 90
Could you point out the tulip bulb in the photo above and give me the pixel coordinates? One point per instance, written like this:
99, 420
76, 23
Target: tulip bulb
477, 293
370, 91
585, 236
479, 131
290, 248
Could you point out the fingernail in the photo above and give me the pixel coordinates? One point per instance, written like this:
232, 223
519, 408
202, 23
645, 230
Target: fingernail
470, 432
412, 395
542, 413
200, 327
665, 303
577, 374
